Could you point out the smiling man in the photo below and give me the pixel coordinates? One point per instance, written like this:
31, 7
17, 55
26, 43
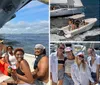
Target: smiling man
41, 65
94, 64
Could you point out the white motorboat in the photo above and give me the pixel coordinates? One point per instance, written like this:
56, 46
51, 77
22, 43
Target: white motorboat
82, 27
71, 7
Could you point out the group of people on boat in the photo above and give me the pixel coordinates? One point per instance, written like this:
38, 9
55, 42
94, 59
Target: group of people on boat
69, 69
75, 24
18, 68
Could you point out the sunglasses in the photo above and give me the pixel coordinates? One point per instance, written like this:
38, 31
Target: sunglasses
61, 48
81, 56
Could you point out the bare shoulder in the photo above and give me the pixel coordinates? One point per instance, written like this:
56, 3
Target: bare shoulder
45, 58
24, 62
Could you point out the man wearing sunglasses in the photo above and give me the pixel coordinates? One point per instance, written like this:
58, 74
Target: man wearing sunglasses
94, 64
57, 65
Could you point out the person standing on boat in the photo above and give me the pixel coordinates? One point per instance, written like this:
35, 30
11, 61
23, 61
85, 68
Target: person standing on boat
72, 25
57, 65
41, 65
69, 61
10, 58
94, 64
80, 71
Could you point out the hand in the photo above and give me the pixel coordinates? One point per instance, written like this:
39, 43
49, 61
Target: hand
34, 72
13, 73
95, 83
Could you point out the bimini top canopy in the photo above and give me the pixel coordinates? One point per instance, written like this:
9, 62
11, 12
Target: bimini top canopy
78, 16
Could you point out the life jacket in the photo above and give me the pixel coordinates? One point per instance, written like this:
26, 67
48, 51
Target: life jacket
1, 66
4, 67
37, 61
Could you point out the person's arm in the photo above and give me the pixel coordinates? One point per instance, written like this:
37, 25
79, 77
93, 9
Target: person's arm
7, 59
89, 74
51, 66
28, 75
43, 67
5, 49
74, 78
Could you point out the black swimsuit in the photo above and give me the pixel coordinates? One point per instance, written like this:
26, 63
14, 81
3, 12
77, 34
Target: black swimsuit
19, 71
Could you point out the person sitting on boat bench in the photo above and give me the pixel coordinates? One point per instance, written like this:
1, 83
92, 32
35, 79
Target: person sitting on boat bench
77, 23
84, 23
72, 25
52, 8
41, 65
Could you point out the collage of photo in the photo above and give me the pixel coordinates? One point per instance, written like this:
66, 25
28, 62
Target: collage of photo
49, 42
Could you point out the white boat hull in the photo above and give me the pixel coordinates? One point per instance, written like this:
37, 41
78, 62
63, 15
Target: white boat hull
90, 21
65, 11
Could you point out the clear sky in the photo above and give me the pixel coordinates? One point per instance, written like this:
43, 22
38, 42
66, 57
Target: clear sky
32, 18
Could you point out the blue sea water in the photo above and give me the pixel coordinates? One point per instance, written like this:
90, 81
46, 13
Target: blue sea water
92, 10
26, 41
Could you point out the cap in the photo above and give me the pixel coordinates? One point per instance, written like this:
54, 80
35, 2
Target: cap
80, 53
68, 49
3, 55
1, 41
39, 46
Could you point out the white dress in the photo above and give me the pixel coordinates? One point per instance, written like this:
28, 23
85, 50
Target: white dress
79, 76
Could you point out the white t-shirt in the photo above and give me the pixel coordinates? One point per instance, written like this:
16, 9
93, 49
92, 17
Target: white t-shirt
12, 59
68, 64
54, 66
94, 65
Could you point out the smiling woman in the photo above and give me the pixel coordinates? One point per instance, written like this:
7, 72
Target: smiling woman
22, 74
81, 66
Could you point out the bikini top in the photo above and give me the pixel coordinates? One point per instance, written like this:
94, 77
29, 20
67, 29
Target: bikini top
61, 61
19, 71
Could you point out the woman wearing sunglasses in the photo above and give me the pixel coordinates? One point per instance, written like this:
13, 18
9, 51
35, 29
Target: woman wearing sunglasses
80, 72
57, 65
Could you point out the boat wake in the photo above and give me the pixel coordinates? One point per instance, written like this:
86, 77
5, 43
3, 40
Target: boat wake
90, 35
